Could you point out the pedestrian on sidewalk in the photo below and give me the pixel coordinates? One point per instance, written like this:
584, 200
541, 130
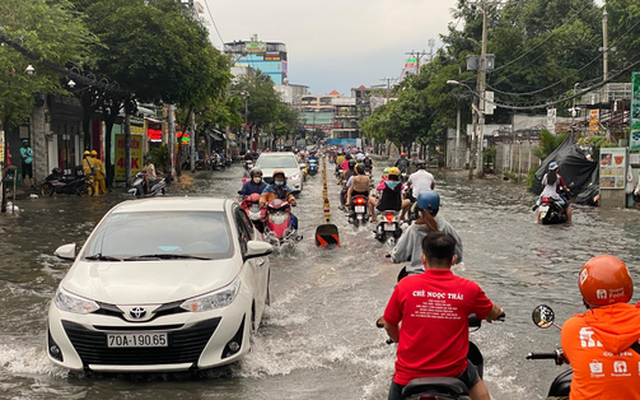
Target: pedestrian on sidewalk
26, 154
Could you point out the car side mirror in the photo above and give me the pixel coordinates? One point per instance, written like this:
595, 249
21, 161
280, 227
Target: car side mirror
256, 248
66, 252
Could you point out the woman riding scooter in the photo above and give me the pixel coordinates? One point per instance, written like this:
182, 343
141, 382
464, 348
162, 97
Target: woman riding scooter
279, 190
391, 197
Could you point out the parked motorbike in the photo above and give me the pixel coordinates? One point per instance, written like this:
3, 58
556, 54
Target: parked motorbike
313, 167
139, 187
551, 212
358, 214
388, 227
279, 229
544, 317
257, 214
446, 388
58, 183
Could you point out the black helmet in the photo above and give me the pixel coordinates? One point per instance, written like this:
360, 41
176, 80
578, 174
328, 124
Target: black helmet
255, 171
360, 169
421, 164
352, 163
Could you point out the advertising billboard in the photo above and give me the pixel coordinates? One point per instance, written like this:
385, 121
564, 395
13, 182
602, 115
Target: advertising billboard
255, 47
634, 124
136, 155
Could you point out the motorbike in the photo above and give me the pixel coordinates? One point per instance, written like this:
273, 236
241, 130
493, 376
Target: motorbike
446, 388
544, 317
257, 214
358, 214
58, 183
248, 164
404, 177
279, 228
339, 172
138, 186
313, 167
388, 228
551, 212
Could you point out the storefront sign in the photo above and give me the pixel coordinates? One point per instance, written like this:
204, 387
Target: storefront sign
272, 57
255, 47
551, 120
2, 147
154, 135
594, 120
613, 167
136, 156
634, 137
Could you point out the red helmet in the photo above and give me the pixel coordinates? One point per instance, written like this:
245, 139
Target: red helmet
403, 154
605, 280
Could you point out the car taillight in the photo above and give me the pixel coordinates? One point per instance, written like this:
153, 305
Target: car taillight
360, 201
390, 217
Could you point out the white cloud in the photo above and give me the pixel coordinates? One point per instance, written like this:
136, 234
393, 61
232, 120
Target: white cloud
336, 43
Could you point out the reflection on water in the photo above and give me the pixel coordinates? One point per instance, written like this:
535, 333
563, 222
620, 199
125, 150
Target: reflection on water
318, 339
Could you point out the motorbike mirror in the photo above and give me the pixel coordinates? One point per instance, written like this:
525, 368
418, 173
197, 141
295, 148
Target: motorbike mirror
66, 252
543, 316
303, 166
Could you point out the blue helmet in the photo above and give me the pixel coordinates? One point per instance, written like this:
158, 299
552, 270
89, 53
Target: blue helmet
429, 200
553, 166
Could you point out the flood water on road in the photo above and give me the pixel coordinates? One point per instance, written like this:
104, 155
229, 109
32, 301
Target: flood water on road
318, 339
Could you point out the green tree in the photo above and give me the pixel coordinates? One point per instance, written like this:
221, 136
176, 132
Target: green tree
50, 30
548, 143
262, 100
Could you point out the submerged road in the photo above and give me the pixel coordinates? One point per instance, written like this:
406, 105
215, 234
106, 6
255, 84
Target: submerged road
318, 339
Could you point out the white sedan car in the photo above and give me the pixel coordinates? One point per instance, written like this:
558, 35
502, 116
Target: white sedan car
286, 161
163, 284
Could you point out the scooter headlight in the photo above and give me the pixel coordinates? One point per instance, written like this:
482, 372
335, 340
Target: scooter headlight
278, 218
66, 301
216, 299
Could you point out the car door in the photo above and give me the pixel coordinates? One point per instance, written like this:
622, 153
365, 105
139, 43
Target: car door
257, 269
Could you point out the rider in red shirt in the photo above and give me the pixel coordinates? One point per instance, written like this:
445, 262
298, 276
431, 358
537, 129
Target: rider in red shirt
427, 316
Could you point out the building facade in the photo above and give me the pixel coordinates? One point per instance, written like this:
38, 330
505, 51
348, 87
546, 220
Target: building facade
268, 57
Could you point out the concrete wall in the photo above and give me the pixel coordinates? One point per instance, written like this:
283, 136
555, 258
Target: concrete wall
515, 157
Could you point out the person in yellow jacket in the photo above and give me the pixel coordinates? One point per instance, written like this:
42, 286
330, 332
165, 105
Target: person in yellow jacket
88, 168
100, 184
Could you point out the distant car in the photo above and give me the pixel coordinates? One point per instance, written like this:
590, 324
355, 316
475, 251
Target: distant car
162, 284
269, 162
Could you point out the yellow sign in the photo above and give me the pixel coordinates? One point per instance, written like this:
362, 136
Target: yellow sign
1, 146
136, 156
594, 120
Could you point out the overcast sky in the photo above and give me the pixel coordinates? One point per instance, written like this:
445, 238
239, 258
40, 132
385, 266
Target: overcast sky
336, 44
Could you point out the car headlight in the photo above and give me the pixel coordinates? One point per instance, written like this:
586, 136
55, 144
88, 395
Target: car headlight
66, 301
295, 177
216, 299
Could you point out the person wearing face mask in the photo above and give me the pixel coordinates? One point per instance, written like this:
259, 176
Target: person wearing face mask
279, 190
391, 195
254, 185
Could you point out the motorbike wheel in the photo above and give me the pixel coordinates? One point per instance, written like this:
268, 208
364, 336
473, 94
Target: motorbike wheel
85, 190
47, 190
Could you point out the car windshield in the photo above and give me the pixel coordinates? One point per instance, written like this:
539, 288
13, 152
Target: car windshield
161, 235
277, 162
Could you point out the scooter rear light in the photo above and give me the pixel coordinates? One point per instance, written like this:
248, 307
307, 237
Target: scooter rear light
360, 201
389, 217
545, 200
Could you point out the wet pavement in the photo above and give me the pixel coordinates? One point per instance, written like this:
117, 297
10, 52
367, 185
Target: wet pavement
318, 339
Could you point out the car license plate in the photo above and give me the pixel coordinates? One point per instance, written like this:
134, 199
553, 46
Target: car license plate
359, 209
389, 227
137, 340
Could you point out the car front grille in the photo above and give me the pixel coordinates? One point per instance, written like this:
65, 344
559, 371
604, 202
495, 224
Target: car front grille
185, 346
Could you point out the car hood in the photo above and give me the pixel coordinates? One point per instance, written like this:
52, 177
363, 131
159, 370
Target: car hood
148, 282
268, 172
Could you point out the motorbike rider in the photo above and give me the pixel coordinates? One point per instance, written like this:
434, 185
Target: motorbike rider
551, 188
254, 185
409, 247
279, 190
402, 163
368, 162
391, 197
339, 160
346, 176
358, 185
149, 171
418, 181
432, 334
602, 344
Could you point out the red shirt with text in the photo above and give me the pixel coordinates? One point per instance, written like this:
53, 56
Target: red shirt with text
434, 336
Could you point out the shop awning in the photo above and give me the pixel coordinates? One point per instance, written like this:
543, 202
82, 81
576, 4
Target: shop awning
215, 135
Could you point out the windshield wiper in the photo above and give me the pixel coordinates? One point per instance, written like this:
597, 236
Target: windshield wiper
100, 257
165, 256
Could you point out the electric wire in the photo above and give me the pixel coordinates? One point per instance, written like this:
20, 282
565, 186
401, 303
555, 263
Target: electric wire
215, 26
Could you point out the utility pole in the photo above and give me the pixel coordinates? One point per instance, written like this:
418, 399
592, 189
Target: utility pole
605, 47
482, 80
388, 96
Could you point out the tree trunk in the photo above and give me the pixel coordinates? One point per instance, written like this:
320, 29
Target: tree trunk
110, 111
5, 169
